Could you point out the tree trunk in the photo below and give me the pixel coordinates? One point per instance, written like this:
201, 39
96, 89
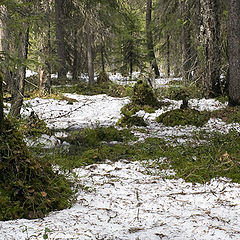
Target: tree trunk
18, 81
186, 42
1, 104
168, 56
59, 17
90, 57
102, 57
210, 34
4, 44
150, 46
234, 52
75, 57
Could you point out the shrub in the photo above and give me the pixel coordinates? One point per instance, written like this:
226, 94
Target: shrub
28, 186
144, 95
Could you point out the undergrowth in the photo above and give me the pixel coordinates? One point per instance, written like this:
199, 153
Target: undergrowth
108, 87
28, 186
184, 117
216, 156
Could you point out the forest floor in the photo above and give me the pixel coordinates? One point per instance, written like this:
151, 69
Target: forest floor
129, 200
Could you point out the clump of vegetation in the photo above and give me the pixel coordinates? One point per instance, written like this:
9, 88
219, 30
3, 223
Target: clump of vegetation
33, 126
102, 77
217, 158
29, 188
142, 98
180, 92
128, 115
108, 87
89, 137
143, 95
228, 114
93, 145
184, 117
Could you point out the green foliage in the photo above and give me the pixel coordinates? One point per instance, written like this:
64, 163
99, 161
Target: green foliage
179, 92
144, 95
90, 138
228, 114
103, 77
217, 158
184, 117
28, 186
33, 126
109, 88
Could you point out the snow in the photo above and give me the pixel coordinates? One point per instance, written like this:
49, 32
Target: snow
120, 200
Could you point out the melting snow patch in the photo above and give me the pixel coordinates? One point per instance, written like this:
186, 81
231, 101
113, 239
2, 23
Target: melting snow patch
125, 203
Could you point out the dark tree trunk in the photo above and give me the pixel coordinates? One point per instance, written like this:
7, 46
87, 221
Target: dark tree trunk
168, 56
18, 81
102, 58
1, 104
75, 58
61, 52
186, 42
234, 52
4, 45
210, 34
90, 57
150, 46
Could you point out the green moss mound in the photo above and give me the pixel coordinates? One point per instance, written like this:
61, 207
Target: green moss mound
184, 117
28, 186
144, 95
93, 137
102, 77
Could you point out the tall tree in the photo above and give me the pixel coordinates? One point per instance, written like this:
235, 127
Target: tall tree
1, 104
234, 52
210, 39
150, 45
186, 41
61, 51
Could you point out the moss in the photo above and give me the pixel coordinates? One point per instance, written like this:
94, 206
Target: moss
180, 92
184, 117
228, 114
144, 95
102, 77
28, 186
109, 88
33, 126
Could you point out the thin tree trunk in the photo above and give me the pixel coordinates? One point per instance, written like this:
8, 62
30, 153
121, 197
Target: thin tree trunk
150, 46
234, 52
59, 16
1, 104
75, 57
18, 81
168, 56
102, 58
210, 34
4, 45
90, 57
186, 42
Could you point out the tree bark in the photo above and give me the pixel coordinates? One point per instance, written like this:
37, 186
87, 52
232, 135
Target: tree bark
18, 81
168, 56
234, 52
186, 42
61, 52
1, 104
4, 43
150, 46
210, 34
90, 57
